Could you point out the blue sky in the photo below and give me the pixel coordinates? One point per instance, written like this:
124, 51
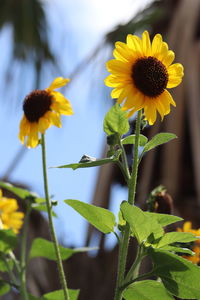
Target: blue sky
75, 28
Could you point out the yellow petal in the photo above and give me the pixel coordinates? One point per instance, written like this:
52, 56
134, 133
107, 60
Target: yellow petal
134, 43
117, 67
32, 140
114, 81
122, 52
116, 92
167, 99
57, 83
146, 44
150, 111
43, 124
55, 119
135, 100
169, 58
175, 73
187, 226
156, 44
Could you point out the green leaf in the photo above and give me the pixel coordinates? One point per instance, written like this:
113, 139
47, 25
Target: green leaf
22, 193
173, 237
8, 240
159, 139
5, 263
131, 140
179, 276
43, 248
140, 223
101, 218
95, 163
4, 287
116, 121
147, 290
31, 297
177, 249
164, 219
55, 295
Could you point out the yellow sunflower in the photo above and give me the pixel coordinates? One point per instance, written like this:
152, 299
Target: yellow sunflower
10, 218
140, 74
42, 108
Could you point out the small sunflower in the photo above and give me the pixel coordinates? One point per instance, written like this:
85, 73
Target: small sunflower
10, 218
42, 108
140, 74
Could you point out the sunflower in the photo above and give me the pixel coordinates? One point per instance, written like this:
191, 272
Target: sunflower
140, 74
10, 218
42, 108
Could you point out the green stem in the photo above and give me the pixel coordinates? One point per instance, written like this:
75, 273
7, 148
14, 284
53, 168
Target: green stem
134, 270
123, 249
23, 288
124, 161
52, 230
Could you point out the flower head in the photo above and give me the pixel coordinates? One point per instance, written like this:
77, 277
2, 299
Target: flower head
42, 108
140, 74
10, 218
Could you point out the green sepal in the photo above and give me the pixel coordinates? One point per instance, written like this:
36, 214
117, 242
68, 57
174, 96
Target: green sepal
101, 218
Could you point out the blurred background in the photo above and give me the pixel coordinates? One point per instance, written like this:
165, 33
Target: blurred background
41, 40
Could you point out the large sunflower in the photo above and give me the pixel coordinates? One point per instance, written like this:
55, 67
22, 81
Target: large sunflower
10, 218
42, 108
140, 74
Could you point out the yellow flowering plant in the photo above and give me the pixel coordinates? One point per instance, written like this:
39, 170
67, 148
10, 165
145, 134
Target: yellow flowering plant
141, 74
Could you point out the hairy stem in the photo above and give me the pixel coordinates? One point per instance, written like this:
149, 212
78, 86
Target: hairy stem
51, 226
123, 250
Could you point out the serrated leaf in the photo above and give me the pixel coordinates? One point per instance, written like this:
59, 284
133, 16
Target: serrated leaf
129, 140
96, 163
55, 295
43, 248
159, 139
179, 276
147, 290
116, 121
8, 240
142, 226
101, 218
173, 237
4, 287
164, 219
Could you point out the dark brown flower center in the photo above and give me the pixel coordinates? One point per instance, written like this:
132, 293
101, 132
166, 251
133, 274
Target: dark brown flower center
150, 76
36, 104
